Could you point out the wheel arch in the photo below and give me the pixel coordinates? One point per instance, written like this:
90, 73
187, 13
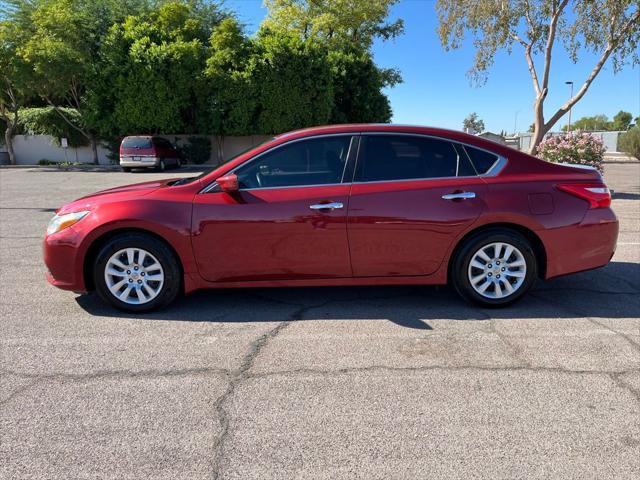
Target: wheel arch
536, 243
100, 241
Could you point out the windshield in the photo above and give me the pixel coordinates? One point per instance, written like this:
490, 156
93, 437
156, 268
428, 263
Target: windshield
184, 181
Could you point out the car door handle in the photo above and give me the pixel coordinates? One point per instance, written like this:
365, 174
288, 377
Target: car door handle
326, 206
459, 196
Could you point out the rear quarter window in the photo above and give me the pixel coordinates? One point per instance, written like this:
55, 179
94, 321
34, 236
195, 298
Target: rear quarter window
136, 142
481, 159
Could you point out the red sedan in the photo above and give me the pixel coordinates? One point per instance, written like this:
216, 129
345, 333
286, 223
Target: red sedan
340, 205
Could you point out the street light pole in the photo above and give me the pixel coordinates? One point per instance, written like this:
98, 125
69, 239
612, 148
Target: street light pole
570, 97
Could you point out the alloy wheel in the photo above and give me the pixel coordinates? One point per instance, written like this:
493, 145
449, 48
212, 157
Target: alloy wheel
134, 276
497, 270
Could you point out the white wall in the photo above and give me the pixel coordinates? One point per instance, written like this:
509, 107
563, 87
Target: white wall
609, 139
29, 149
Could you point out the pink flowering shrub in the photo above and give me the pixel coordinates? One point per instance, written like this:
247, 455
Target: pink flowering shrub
578, 148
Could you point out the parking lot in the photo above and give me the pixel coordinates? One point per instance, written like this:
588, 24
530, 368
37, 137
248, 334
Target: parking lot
314, 383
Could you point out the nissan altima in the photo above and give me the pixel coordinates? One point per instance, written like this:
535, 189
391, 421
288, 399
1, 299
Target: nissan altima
340, 205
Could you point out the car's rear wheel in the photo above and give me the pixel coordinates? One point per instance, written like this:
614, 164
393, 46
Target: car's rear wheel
137, 273
126, 169
162, 166
494, 268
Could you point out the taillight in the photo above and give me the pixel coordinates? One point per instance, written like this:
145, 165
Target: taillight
597, 194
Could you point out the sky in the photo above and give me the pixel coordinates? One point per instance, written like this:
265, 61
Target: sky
436, 90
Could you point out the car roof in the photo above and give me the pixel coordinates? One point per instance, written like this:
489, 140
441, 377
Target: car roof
454, 135
371, 127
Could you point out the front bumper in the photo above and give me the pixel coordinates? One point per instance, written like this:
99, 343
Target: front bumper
62, 257
590, 244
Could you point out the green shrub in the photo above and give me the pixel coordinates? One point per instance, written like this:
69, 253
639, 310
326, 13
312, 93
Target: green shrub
46, 121
45, 162
113, 146
197, 150
67, 164
629, 142
576, 148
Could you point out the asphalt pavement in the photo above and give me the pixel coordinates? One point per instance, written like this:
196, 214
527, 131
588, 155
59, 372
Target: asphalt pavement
314, 383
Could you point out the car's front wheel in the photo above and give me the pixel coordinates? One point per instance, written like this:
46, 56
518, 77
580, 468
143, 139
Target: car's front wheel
494, 268
137, 273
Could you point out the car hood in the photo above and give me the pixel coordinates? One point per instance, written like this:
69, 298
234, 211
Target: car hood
126, 192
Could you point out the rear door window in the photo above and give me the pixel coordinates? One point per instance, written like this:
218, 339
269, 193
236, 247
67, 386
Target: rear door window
408, 157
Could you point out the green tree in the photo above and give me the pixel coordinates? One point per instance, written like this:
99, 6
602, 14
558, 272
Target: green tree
347, 28
473, 124
607, 28
272, 83
292, 81
629, 142
14, 80
590, 124
357, 87
47, 121
232, 96
621, 120
59, 53
62, 51
151, 72
338, 22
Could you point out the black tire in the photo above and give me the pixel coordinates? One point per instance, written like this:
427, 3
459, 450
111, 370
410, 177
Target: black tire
162, 166
126, 169
170, 266
459, 273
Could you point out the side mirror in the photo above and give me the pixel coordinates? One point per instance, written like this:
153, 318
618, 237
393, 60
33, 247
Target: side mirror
228, 183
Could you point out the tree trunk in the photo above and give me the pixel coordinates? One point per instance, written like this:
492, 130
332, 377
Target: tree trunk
220, 152
539, 127
539, 132
8, 139
94, 149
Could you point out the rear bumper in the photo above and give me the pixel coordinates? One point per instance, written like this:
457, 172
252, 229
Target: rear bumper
144, 162
585, 246
61, 256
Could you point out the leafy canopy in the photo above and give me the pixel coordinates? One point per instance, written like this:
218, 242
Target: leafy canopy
115, 67
150, 71
273, 83
629, 142
338, 22
46, 121
494, 26
621, 121
473, 124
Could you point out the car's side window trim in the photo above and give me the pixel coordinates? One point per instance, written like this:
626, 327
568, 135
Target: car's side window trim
494, 170
353, 147
352, 156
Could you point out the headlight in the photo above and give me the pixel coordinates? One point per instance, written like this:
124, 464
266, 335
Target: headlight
60, 222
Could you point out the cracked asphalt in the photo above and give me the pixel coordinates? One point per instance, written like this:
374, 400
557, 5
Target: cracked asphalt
315, 383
